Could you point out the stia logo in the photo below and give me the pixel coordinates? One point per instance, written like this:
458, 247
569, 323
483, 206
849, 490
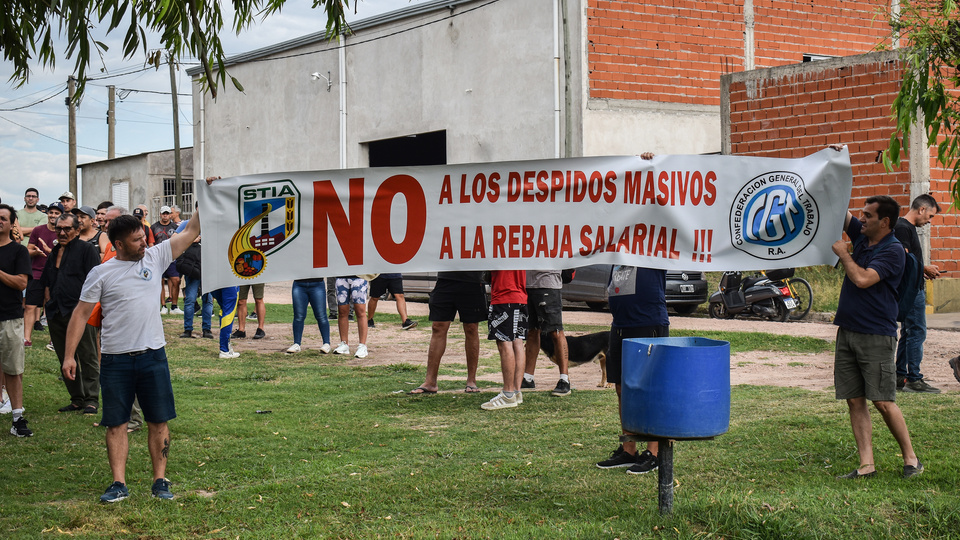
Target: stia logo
268, 220
773, 217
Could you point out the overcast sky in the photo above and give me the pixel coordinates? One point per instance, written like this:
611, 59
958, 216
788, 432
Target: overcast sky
33, 147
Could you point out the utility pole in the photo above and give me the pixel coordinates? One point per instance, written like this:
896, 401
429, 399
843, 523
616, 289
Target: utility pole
178, 193
72, 116
111, 121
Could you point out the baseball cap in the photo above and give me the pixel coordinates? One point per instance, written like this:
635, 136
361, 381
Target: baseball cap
164, 209
56, 206
138, 213
86, 210
67, 195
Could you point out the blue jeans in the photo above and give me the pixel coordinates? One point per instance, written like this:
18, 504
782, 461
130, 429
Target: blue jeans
191, 288
227, 298
913, 332
313, 293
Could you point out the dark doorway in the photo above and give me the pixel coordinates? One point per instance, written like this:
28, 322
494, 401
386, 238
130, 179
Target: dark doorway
420, 149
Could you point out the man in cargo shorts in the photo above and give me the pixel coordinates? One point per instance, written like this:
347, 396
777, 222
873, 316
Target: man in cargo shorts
545, 312
865, 360
260, 309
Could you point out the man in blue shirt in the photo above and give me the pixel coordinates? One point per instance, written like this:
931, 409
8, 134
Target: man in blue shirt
865, 359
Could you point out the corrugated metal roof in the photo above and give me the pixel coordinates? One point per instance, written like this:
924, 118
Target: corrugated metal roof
356, 27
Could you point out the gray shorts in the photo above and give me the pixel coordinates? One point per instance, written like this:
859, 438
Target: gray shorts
865, 365
11, 346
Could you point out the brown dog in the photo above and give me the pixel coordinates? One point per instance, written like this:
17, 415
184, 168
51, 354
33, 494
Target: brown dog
580, 350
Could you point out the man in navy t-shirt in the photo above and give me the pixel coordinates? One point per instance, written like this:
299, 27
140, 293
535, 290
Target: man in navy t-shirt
865, 362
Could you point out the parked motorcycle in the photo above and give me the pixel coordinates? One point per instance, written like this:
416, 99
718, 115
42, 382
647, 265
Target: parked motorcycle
753, 296
797, 292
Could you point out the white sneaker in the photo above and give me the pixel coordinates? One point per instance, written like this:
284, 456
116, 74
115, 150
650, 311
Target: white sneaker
43, 319
325, 348
229, 355
50, 346
5, 407
343, 348
164, 310
519, 396
176, 311
500, 401
361, 351
295, 348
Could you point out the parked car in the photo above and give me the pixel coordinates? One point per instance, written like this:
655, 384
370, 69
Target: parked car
685, 289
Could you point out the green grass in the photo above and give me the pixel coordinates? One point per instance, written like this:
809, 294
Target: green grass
344, 455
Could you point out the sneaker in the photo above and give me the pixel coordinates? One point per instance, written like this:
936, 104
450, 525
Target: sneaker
619, 458
500, 401
408, 324
176, 311
27, 343
5, 407
115, 493
20, 429
909, 471
325, 348
562, 389
955, 366
50, 346
161, 489
901, 381
187, 334
38, 326
527, 384
229, 355
164, 310
208, 334
252, 316
43, 320
259, 334
519, 395
361, 351
646, 462
293, 349
237, 334
371, 324
343, 348
920, 386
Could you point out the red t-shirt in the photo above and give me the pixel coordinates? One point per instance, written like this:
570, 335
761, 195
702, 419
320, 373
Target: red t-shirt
49, 237
508, 287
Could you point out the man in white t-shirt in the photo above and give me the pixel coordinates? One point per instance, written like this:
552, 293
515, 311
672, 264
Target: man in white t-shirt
133, 360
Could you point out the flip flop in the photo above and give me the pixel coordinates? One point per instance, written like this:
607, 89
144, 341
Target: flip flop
471, 389
419, 391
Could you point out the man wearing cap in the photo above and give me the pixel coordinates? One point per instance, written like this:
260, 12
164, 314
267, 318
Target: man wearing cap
162, 231
140, 212
42, 240
63, 275
30, 216
88, 229
68, 201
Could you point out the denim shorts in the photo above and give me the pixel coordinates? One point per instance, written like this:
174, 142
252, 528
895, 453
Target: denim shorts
144, 375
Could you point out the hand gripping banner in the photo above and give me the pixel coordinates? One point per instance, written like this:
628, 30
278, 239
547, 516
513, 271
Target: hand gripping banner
673, 212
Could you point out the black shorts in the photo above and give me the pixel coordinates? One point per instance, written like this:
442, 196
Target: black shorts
615, 351
545, 310
381, 285
451, 297
34, 294
507, 322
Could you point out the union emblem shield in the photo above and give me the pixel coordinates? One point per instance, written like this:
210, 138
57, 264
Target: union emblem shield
268, 220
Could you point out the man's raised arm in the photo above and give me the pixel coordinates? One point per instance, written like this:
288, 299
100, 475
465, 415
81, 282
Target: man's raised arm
180, 242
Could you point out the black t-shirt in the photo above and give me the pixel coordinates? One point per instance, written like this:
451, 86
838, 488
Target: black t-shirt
161, 232
14, 260
906, 233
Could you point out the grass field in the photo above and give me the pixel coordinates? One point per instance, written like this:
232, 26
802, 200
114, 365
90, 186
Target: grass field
344, 453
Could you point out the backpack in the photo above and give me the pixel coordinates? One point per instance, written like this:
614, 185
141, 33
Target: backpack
188, 263
910, 279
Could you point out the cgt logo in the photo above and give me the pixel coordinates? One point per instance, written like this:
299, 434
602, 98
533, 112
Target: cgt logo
773, 217
269, 218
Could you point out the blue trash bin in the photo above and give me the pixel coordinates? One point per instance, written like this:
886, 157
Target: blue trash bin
676, 387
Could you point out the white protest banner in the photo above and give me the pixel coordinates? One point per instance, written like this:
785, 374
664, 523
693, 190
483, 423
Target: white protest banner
671, 212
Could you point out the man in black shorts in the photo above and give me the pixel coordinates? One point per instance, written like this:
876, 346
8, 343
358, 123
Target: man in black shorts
378, 287
455, 292
545, 310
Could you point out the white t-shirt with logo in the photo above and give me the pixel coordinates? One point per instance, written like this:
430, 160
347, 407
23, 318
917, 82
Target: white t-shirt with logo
128, 293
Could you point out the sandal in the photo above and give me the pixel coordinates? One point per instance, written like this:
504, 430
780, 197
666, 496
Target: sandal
856, 475
70, 408
471, 389
419, 391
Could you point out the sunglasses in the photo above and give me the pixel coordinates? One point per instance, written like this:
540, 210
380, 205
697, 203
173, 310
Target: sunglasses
63, 229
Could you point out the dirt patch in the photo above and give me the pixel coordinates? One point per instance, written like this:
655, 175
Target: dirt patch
388, 344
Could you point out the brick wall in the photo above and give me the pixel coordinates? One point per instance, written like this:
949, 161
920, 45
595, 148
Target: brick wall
676, 50
794, 112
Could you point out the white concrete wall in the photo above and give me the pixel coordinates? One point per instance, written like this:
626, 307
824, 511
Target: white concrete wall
485, 77
143, 172
620, 127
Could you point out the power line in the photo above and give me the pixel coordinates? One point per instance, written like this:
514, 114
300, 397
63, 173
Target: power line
39, 101
52, 138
